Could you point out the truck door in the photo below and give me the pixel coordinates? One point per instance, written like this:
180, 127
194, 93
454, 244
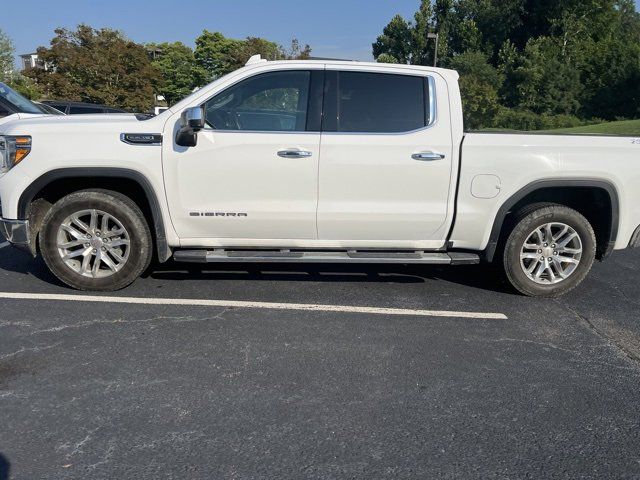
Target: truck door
386, 167
254, 171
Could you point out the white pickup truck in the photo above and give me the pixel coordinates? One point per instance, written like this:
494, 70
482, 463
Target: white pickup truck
314, 161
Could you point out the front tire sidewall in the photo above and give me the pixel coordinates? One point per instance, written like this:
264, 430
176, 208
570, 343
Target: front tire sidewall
516, 275
128, 215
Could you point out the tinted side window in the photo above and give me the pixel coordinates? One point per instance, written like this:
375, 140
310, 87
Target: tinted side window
273, 102
84, 110
380, 103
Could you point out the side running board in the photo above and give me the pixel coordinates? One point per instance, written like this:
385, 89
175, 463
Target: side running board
300, 256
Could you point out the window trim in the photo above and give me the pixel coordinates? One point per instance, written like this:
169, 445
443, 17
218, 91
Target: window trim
316, 86
320, 91
331, 92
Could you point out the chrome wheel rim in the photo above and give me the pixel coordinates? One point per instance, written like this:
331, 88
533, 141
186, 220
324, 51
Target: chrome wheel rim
93, 243
551, 253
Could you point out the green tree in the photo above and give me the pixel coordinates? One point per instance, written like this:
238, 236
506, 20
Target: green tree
179, 70
544, 81
6, 57
408, 42
219, 55
557, 60
25, 86
97, 66
608, 58
296, 51
422, 50
468, 36
8, 75
386, 58
246, 49
214, 53
480, 83
484, 25
395, 41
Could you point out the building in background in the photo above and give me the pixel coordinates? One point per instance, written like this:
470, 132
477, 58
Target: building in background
31, 60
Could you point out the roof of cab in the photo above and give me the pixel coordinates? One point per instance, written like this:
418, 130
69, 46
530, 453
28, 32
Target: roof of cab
257, 59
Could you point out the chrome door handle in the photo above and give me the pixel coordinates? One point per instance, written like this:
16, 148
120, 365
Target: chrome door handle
294, 153
428, 156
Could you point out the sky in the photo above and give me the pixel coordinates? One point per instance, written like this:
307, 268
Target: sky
333, 28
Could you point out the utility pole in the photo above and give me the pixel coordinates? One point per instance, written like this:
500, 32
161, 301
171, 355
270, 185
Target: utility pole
436, 36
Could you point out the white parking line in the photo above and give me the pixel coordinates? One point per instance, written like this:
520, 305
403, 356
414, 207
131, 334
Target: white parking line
256, 305
5, 244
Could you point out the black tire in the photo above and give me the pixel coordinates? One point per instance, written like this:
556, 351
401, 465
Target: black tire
526, 222
120, 207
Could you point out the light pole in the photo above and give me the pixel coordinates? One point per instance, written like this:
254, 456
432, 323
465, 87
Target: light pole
435, 36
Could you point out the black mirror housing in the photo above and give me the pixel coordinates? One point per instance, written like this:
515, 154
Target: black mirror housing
186, 137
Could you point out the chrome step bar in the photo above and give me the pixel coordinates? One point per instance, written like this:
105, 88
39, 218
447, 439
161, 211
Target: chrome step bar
319, 256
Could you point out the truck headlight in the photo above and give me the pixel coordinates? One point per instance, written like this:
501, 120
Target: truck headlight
13, 149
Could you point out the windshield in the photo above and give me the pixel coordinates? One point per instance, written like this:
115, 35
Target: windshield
22, 104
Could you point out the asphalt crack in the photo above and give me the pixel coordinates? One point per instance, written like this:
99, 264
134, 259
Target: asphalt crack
38, 348
122, 321
629, 354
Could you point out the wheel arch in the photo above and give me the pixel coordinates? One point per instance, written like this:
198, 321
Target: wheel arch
605, 219
126, 181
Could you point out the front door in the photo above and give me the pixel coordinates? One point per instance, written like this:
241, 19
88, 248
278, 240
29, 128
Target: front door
254, 171
386, 168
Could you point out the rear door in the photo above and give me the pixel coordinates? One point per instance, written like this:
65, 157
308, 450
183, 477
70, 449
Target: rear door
385, 173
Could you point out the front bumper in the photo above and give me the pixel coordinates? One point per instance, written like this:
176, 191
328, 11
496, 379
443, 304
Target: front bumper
17, 232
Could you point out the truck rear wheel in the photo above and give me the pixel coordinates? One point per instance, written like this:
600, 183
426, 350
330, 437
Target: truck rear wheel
550, 250
96, 240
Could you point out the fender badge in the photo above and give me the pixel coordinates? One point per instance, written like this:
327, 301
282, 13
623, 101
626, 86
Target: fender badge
141, 138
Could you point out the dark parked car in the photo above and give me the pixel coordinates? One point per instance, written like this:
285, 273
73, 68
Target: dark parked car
77, 108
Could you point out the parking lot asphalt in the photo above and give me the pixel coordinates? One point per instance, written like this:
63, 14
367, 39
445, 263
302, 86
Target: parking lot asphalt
126, 387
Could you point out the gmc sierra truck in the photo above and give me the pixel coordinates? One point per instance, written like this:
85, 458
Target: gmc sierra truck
314, 161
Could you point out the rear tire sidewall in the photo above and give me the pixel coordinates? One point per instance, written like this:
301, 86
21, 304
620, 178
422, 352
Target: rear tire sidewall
122, 209
521, 233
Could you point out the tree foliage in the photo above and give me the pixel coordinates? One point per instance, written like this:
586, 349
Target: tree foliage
6, 57
219, 55
97, 66
8, 74
395, 41
103, 66
567, 61
180, 72
479, 84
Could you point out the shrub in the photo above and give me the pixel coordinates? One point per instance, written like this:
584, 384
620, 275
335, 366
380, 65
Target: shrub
526, 120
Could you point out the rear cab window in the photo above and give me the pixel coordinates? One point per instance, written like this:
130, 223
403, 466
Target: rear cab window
368, 102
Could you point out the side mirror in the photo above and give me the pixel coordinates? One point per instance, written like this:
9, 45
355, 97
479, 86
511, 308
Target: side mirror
191, 122
193, 118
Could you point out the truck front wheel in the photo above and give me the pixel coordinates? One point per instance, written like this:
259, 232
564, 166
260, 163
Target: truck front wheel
96, 240
550, 250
